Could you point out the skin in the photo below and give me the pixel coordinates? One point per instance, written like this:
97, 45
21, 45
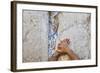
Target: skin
63, 48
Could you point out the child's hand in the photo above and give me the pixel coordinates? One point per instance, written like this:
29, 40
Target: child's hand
63, 46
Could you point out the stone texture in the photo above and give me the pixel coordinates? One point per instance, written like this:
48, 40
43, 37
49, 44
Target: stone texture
35, 36
75, 26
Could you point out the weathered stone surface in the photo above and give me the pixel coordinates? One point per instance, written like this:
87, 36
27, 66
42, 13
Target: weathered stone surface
35, 36
75, 26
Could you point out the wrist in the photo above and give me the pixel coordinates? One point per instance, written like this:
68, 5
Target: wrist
68, 50
56, 54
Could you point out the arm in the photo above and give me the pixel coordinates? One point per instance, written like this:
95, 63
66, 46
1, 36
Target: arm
63, 47
71, 54
54, 57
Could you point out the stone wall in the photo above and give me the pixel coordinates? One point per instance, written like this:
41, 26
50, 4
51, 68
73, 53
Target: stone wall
75, 26
35, 36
